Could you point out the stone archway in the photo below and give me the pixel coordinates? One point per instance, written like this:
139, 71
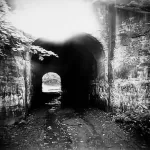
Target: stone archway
77, 65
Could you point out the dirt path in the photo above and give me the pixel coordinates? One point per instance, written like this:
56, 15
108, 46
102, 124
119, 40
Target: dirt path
50, 129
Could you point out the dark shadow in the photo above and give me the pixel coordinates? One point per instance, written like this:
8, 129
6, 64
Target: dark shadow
77, 66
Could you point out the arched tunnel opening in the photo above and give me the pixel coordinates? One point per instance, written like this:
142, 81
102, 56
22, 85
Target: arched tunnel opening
77, 65
51, 88
51, 82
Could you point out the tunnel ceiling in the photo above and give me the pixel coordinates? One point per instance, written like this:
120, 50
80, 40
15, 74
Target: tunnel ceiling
89, 43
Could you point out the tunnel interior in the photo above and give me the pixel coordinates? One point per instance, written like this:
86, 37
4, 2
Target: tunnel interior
76, 65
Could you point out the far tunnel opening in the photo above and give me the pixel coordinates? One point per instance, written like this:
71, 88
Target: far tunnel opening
51, 82
51, 88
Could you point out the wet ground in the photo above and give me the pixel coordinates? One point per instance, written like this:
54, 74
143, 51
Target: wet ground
53, 128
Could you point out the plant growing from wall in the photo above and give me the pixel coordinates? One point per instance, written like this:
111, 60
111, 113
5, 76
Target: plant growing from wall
15, 41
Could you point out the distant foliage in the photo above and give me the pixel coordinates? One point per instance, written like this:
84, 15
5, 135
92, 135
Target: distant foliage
51, 78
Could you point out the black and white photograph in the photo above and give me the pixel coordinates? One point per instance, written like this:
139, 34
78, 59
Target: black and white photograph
74, 74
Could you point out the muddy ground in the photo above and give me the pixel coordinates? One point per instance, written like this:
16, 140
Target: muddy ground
53, 128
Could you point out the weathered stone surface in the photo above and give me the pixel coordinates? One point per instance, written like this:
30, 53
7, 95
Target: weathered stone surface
12, 82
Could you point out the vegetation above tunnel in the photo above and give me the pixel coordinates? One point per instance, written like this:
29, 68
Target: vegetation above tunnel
15, 39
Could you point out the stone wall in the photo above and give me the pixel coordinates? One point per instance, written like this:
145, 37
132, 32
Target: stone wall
126, 61
130, 89
99, 90
12, 83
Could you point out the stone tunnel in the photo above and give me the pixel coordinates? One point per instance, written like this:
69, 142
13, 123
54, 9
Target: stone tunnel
80, 61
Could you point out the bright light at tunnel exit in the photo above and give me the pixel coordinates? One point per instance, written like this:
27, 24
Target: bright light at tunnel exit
56, 20
51, 82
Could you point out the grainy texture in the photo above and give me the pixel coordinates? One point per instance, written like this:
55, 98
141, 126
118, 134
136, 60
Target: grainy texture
60, 129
